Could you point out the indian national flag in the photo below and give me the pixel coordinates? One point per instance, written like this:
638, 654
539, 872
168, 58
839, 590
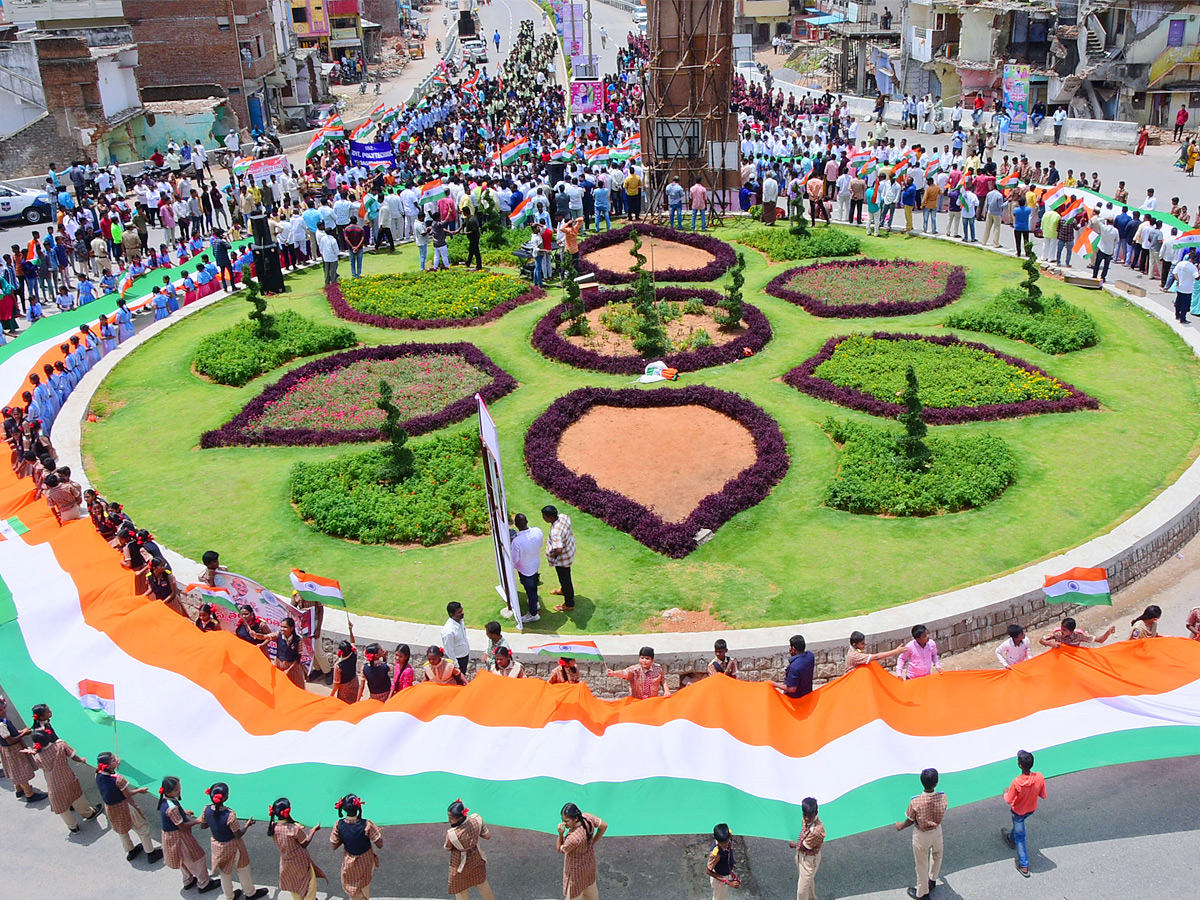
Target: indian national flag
217, 595
1079, 585
432, 191
900, 168
315, 145
598, 156
566, 151
932, 166
242, 165
521, 213
513, 150
628, 148
1011, 180
1056, 197
321, 590
335, 127
390, 115
1085, 245
377, 111
470, 86
868, 167
1187, 241
572, 649
364, 127
99, 698
440, 78
126, 282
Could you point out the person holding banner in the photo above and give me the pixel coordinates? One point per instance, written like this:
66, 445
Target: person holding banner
298, 874
578, 834
17, 765
345, 673
286, 642
355, 835
180, 848
52, 756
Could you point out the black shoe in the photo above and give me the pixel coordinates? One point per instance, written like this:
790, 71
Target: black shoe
188, 885
213, 885
20, 793
75, 830
912, 892
96, 810
932, 885
134, 853
38, 797
259, 894
154, 855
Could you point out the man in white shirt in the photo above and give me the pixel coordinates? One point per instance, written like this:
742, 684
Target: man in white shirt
454, 636
527, 558
1151, 202
328, 246
1106, 246
1183, 279
770, 194
409, 201
1016, 649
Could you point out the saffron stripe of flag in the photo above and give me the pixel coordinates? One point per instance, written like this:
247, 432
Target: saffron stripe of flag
598, 155
433, 190
573, 649
316, 588
218, 595
1082, 585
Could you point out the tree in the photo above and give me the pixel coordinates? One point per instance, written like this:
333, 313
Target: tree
1031, 293
493, 224
911, 445
730, 306
264, 322
400, 463
649, 337
799, 226
575, 310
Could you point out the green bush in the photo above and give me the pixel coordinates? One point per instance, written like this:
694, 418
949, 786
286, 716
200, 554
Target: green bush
498, 256
237, 355
695, 307
1053, 326
875, 478
445, 294
351, 497
619, 318
781, 244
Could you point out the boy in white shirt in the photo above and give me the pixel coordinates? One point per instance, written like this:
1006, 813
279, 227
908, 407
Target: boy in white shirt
1016, 649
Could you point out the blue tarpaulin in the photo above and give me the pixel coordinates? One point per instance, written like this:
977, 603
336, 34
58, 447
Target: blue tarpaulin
824, 20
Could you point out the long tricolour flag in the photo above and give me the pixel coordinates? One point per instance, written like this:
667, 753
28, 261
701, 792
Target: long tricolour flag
217, 595
629, 148
572, 649
1189, 240
125, 282
98, 697
314, 587
1011, 180
1079, 585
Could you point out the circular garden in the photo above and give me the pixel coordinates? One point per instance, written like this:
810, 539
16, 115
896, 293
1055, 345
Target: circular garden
868, 421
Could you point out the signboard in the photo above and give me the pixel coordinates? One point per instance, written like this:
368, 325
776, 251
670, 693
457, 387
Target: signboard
377, 153
493, 480
268, 606
263, 169
1016, 97
586, 97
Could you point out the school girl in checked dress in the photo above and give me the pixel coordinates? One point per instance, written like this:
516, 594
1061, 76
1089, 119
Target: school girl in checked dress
468, 865
17, 765
53, 757
298, 874
228, 849
356, 835
122, 812
180, 848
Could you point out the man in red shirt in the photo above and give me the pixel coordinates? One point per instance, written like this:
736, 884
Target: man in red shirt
1181, 120
1022, 798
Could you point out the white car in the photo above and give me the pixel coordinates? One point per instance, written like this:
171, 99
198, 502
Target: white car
640, 16
746, 67
23, 205
474, 50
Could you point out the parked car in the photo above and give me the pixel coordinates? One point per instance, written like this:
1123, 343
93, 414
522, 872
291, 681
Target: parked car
474, 50
640, 16
746, 67
23, 205
320, 114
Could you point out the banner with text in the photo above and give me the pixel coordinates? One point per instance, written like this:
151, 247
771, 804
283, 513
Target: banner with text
377, 153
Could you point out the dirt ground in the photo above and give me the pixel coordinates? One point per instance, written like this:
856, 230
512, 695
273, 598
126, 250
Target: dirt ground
609, 343
668, 459
659, 255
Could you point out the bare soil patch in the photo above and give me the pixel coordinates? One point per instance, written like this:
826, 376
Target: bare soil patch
679, 330
666, 458
659, 255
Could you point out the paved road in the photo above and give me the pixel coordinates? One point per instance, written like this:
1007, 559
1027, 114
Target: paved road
1127, 831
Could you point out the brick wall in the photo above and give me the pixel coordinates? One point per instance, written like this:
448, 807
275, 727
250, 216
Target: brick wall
181, 42
27, 151
385, 13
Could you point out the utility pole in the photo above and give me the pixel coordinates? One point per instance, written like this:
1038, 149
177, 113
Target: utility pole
592, 67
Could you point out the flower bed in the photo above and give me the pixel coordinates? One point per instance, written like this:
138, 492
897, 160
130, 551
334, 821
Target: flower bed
443, 499
780, 245
1005, 386
870, 287
1053, 325
321, 378
672, 539
419, 300
964, 472
723, 254
550, 343
238, 355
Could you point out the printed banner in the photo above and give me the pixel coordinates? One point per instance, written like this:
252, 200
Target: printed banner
268, 606
585, 97
263, 169
377, 153
1016, 96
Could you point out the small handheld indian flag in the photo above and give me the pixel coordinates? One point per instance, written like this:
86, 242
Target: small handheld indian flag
99, 699
521, 213
217, 595
1085, 244
1010, 180
574, 649
318, 589
1088, 587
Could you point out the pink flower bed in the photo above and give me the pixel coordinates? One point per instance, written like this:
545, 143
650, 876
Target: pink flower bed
870, 287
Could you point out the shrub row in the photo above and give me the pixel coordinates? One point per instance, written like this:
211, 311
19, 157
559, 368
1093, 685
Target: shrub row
780, 244
237, 355
343, 310
1052, 324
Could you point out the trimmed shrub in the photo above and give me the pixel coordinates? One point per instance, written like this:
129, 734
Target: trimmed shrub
237, 355
779, 244
1053, 326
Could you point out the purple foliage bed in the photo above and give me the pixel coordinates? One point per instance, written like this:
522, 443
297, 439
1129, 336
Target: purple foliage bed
550, 343
777, 287
344, 310
803, 379
672, 539
239, 431
723, 253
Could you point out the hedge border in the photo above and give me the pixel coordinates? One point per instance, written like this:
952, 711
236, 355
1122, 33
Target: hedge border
343, 310
724, 255
237, 432
675, 540
803, 379
955, 285
547, 341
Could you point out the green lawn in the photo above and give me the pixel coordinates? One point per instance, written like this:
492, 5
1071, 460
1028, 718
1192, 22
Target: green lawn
786, 560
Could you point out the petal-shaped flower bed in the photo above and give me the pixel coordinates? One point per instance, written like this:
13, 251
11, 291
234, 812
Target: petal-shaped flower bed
960, 381
707, 260
870, 287
549, 340
451, 298
663, 470
335, 396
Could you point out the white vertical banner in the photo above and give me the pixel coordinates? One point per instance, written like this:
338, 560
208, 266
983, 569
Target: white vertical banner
493, 480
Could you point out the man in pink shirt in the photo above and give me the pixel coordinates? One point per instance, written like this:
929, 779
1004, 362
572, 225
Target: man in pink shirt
831, 175
1022, 798
699, 204
920, 656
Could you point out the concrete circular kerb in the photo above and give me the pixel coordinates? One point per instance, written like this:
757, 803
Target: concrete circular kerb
958, 619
